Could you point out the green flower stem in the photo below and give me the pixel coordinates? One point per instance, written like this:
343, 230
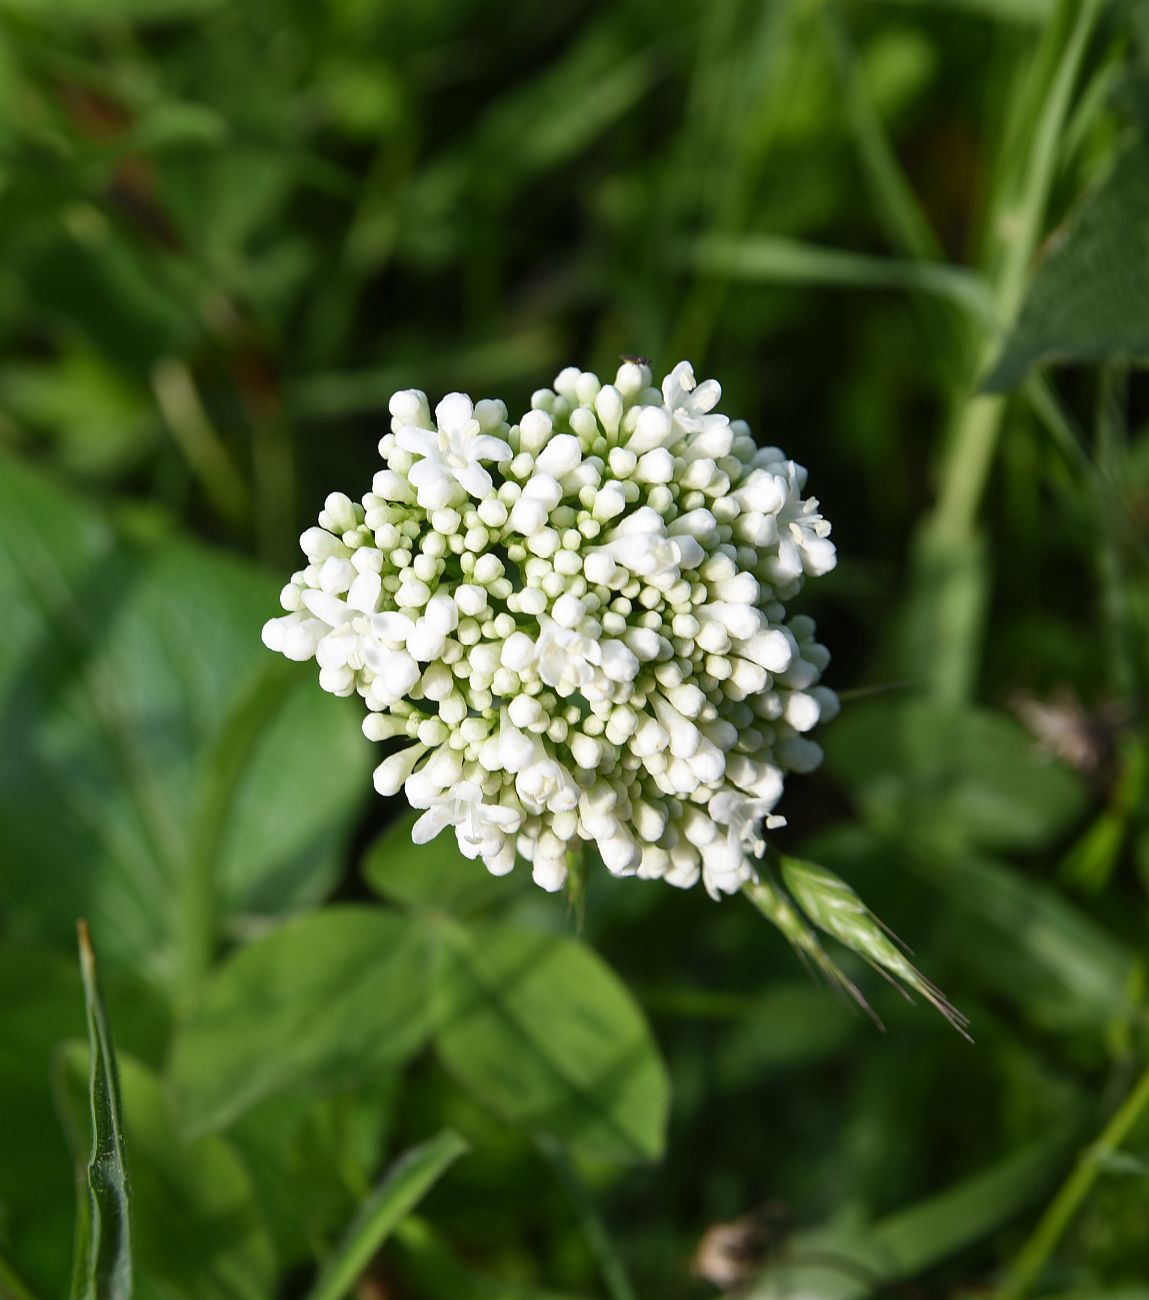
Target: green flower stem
1032, 1257
948, 626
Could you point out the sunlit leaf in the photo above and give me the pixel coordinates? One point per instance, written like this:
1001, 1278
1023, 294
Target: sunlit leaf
539, 1027
329, 998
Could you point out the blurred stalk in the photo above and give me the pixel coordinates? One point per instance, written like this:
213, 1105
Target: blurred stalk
273, 470
11, 1288
197, 910
1034, 1254
755, 101
202, 447
950, 584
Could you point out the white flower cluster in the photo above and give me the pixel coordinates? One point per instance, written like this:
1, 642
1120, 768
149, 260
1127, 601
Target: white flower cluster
572, 627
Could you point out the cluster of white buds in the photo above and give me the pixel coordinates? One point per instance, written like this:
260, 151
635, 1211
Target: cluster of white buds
572, 628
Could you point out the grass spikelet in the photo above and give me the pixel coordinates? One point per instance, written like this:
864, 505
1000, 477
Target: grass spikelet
777, 908
834, 907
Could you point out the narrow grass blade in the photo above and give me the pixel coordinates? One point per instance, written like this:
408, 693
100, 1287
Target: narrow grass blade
102, 1269
769, 259
408, 1181
853, 1261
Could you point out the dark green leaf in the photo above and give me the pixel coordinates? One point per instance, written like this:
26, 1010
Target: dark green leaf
312, 1159
433, 876
429, 1264
173, 774
853, 1262
326, 999
949, 776
405, 1185
541, 1030
41, 1006
197, 1231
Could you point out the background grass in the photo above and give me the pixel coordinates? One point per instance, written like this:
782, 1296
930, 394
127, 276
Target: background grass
229, 232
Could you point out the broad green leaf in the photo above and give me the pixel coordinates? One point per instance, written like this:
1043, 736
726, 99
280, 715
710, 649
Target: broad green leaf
951, 776
173, 774
433, 876
540, 1028
312, 1159
42, 1006
328, 998
197, 1231
405, 1185
1089, 297
102, 1267
850, 1263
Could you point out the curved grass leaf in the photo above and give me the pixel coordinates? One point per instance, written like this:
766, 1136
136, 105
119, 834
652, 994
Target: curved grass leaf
428, 1263
197, 1230
404, 1186
103, 1259
852, 1263
952, 777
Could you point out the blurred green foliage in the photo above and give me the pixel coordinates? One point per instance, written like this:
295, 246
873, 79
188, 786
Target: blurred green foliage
230, 231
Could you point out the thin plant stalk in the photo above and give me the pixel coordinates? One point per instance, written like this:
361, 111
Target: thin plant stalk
1032, 1258
956, 601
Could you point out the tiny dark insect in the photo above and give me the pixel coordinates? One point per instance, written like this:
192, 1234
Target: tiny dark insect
634, 360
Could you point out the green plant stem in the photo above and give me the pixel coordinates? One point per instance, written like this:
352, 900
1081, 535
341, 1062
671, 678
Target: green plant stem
598, 1241
1018, 227
1032, 1257
950, 578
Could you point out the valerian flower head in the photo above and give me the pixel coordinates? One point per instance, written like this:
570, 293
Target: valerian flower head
574, 627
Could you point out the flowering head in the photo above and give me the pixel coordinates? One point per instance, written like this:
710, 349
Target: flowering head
573, 628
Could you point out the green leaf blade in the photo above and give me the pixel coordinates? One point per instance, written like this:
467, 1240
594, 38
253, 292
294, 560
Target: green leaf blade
405, 1185
539, 1028
103, 1262
329, 996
